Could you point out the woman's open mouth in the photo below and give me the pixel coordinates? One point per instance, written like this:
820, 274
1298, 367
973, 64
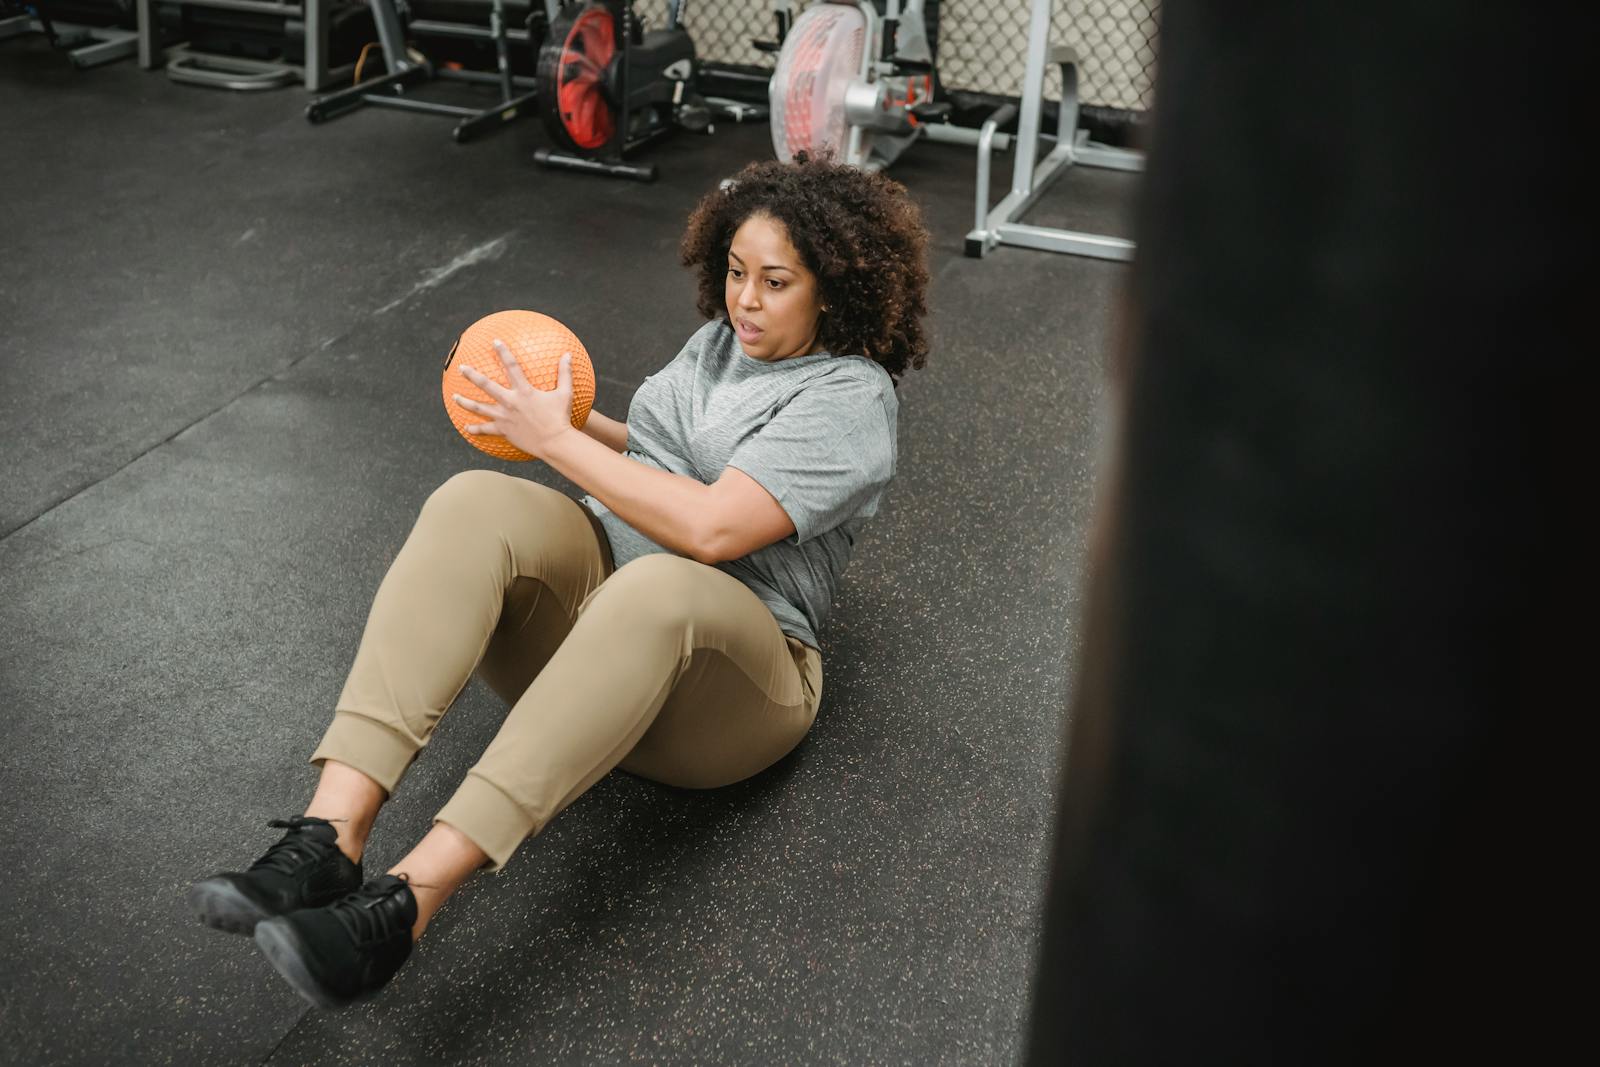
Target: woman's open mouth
746, 331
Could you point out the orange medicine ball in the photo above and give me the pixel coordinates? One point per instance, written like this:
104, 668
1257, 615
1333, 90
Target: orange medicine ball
538, 343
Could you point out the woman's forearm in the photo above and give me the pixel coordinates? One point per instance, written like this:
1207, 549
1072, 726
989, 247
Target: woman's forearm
673, 510
609, 432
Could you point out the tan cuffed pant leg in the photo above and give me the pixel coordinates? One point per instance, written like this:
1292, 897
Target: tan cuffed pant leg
493, 562
669, 667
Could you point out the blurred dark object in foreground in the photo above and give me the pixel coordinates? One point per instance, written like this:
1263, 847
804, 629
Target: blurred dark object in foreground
1293, 827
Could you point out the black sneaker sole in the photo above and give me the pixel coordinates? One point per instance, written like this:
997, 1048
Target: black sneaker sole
219, 904
287, 953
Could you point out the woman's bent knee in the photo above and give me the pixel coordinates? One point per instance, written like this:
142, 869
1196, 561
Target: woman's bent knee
495, 500
659, 572
470, 486
658, 588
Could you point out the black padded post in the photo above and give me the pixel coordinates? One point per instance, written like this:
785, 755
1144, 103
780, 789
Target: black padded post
1294, 827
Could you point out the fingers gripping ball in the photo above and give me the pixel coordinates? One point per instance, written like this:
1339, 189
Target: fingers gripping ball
538, 342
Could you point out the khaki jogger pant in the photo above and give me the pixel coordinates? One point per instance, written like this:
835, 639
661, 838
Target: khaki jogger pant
668, 667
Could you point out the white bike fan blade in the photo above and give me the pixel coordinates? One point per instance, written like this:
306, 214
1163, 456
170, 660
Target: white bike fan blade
822, 55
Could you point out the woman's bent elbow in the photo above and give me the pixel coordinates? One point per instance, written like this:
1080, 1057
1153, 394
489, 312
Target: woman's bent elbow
712, 544
709, 553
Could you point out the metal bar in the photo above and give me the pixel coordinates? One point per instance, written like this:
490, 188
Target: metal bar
316, 61
945, 133
1050, 239
388, 91
1043, 176
149, 50
260, 7
986, 140
483, 77
490, 119
348, 99
406, 103
1089, 153
1108, 158
390, 36
1067, 110
109, 46
616, 149
1029, 181
736, 75
313, 72
639, 172
1032, 96
434, 28
737, 110
227, 72
497, 27
105, 43
636, 143
1003, 212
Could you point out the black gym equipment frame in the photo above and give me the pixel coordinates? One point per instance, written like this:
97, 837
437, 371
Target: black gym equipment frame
645, 85
241, 74
87, 44
405, 73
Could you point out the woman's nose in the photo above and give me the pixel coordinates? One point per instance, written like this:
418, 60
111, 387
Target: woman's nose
749, 295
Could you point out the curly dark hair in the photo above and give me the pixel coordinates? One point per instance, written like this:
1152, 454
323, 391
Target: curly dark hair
860, 234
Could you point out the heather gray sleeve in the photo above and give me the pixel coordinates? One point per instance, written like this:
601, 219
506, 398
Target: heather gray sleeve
826, 455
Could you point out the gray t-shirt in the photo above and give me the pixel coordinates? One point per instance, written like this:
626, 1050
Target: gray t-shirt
818, 433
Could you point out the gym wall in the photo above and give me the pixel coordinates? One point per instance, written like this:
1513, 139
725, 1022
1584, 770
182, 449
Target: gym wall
981, 43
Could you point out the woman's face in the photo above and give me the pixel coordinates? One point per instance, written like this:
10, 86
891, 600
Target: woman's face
771, 297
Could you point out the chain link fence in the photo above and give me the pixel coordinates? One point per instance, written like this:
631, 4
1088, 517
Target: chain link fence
982, 44
722, 29
983, 48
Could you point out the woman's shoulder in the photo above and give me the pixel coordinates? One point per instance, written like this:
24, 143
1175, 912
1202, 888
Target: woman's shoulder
860, 368
861, 375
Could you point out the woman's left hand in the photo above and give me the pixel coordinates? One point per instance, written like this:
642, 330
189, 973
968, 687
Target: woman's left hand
529, 418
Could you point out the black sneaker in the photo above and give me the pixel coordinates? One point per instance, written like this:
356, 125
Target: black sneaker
304, 870
347, 951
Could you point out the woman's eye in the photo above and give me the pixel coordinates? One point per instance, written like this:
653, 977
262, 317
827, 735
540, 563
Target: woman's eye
735, 273
775, 283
